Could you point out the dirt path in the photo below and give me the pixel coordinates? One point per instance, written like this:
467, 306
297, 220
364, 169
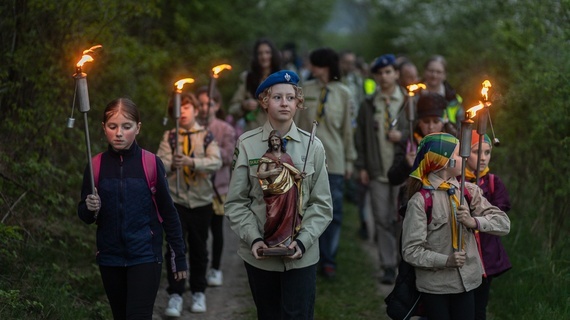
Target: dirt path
230, 301
233, 299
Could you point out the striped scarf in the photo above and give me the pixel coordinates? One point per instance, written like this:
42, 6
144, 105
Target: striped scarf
433, 154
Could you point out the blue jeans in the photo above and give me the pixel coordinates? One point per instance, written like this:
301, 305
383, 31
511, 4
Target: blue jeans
328, 242
283, 294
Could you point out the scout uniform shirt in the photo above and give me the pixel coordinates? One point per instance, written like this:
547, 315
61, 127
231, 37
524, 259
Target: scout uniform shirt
245, 206
196, 189
384, 115
427, 246
335, 121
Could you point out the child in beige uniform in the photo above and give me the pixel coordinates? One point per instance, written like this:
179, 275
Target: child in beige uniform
442, 248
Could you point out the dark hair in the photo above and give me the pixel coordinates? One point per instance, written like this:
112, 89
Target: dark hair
216, 95
185, 98
413, 185
328, 58
275, 133
220, 114
254, 76
124, 105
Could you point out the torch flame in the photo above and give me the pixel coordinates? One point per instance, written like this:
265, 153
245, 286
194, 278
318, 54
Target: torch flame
86, 57
415, 87
217, 69
485, 91
472, 112
92, 49
180, 83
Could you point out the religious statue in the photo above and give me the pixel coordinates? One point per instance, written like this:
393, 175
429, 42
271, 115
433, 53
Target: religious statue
281, 185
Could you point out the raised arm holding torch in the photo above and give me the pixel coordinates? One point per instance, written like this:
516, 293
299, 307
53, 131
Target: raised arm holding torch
176, 113
82, 94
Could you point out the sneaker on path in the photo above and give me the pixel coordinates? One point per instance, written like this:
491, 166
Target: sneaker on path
198, 302
174, 308
215, 278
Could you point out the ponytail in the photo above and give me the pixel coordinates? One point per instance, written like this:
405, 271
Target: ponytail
413, 185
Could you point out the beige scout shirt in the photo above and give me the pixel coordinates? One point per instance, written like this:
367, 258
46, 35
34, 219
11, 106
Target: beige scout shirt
199, 193
335, 129
245, 207
427, 247
386, 146
237, 111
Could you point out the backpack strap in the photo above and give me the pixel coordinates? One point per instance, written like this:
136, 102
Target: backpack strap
491, 183
467, 196
149, 167
427, 194
96, 162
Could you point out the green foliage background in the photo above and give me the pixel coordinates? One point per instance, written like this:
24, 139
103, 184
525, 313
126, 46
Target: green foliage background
45, 254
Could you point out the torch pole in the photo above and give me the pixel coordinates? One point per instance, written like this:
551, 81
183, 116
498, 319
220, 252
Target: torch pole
411, 117
483, 115
211, 102
83, 97
177, 98
311, 139
464, 152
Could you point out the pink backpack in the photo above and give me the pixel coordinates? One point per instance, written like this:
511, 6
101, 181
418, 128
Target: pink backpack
149, 167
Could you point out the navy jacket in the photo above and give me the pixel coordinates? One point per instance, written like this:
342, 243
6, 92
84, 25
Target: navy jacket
128, 230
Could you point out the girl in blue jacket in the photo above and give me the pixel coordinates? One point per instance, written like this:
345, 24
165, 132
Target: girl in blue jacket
129, 233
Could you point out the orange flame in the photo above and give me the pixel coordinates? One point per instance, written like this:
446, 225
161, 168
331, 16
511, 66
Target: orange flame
180, 83
485, 91
472, 112
92, 49
217, 69
415, 87
86, 57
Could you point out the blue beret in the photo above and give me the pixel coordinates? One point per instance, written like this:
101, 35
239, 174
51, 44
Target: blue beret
383, 61
283, 76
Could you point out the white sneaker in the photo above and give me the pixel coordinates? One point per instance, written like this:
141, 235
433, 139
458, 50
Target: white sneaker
198, 302
215, 278
174, 308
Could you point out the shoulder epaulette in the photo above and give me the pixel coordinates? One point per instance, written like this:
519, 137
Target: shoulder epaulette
251, 133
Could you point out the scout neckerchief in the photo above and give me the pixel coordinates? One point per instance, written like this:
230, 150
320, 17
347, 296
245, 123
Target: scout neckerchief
322, 101
453, 204
433, 154
470, 175
188, 150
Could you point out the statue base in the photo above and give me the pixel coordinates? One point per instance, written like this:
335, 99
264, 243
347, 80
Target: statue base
275, 252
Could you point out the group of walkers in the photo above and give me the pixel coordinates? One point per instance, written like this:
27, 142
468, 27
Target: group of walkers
277, 166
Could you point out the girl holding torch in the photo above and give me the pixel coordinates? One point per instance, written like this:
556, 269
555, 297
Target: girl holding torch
494, 255
447, 264
129, 231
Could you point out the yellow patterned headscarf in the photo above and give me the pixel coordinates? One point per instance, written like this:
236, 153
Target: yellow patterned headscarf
434, 152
